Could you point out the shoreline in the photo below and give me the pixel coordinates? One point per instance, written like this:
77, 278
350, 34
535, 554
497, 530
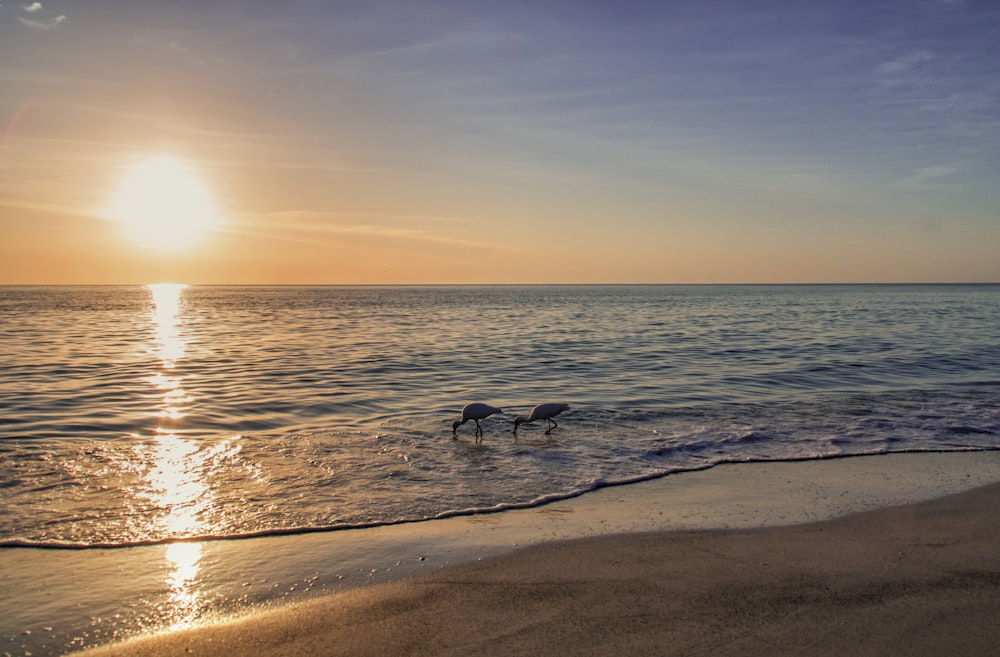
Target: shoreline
921, 579
473, 514
917, 578
277, 575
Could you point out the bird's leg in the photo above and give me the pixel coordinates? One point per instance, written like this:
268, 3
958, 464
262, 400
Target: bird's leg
479, 429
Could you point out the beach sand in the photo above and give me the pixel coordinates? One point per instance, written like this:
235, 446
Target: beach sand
913, 579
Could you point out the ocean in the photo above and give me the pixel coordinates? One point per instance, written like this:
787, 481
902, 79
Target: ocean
144, 429
138, 415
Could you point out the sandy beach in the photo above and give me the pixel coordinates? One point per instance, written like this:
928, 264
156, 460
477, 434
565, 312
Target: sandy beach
921, 578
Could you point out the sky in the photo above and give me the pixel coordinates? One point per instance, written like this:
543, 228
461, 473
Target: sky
541, 141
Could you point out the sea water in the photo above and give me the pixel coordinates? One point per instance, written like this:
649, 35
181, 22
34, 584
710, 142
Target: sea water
137, 423
133, 415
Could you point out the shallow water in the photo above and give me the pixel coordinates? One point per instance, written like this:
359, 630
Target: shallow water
133, 415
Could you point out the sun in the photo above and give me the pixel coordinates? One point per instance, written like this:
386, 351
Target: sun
163, 205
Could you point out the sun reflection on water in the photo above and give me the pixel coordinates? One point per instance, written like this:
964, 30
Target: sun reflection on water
175, 486
170, 346
183, 563
166, 308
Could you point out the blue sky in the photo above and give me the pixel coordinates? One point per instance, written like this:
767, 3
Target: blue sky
714, 141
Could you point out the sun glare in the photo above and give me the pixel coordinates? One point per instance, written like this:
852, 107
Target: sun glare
163, 205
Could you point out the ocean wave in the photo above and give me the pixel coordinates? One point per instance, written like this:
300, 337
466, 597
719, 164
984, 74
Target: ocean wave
502, 507
335, 410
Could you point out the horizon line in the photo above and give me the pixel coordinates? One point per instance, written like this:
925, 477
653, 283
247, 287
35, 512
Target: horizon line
539, 284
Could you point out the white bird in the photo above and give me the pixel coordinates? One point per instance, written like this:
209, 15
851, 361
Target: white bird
475, 411
542, 412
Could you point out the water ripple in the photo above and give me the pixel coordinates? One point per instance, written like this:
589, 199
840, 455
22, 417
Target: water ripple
144, 414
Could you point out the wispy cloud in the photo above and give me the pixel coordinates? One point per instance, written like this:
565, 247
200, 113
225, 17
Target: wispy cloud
925, 176
40, 23
906, 62
307, 226
44, 24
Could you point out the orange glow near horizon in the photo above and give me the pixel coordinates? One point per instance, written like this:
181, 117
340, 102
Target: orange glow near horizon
163, 205
210, 149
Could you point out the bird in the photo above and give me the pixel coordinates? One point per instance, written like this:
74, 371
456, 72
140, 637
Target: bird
542, 412
475, 411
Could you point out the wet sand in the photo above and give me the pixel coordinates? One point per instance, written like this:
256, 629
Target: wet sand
913, 579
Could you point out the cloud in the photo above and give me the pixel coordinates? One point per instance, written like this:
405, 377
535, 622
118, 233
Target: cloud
46, 24
906, 62
308, 226
40, 23
926, 175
